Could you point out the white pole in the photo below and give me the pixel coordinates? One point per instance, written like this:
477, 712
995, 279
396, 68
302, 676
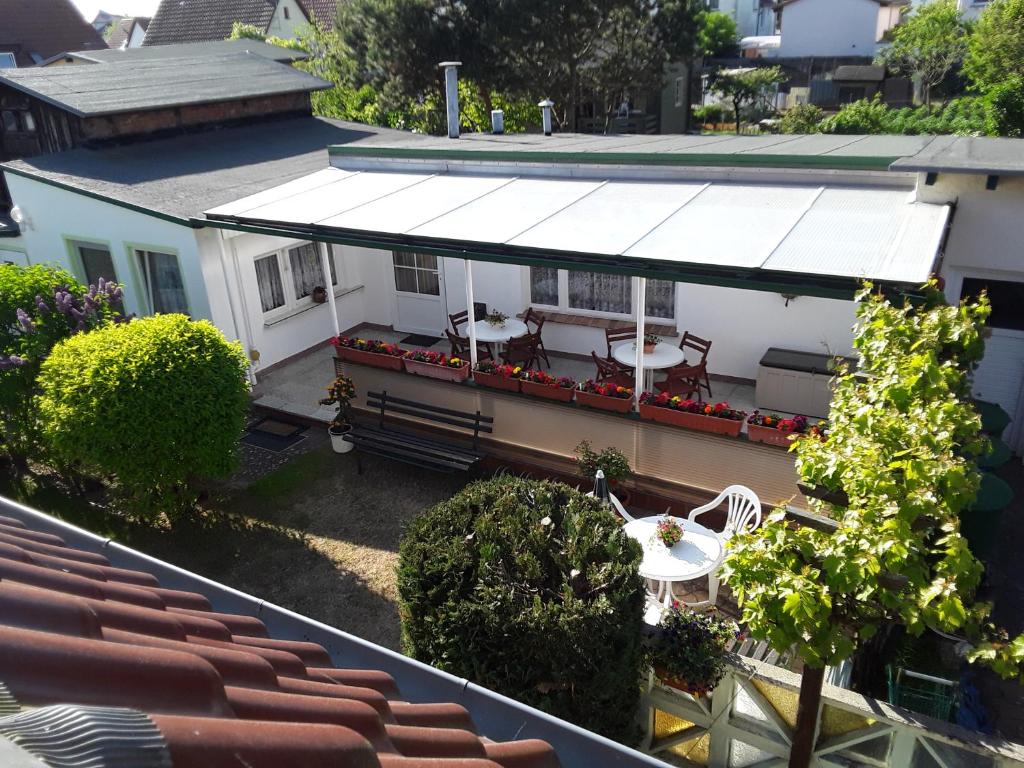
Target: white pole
472, 315
325, 267
641, 300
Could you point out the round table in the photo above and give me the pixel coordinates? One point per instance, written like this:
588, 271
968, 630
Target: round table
699, 553
662, 356
498, 334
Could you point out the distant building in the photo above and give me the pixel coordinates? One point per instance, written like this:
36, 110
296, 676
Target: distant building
753, 17
192, 21
840, 28
129, 32
31, 31
971, 8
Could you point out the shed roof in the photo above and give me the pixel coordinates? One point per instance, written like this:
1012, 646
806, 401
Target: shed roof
967, 154
138, 85
859, 73
191, 51
190, 21
35, 30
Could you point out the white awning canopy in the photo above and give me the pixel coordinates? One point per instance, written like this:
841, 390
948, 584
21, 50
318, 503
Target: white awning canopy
821, 233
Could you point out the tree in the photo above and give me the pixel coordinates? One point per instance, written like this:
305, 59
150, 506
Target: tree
902, 445
716, 35
746, 86
995, 50
157, 403
930, 42
39, 307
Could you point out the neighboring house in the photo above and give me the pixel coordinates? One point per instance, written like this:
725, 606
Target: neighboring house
840, 28
753, 17
128, 33
191, 21
182, 51
31, 31
971, 9
104, 19
323, 12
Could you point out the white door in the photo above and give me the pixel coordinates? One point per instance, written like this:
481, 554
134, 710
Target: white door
419, 293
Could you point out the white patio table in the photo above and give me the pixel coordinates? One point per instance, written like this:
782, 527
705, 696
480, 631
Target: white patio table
496, 334
699, 553
663, 356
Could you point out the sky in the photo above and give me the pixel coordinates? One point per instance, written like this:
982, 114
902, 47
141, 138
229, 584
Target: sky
89, 8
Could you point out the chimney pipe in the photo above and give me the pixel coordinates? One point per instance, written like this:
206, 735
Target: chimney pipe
451, 92
545, 109
497, 121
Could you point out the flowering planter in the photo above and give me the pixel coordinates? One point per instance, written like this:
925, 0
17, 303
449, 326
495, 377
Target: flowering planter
496, 381
562, 394
604, 402
377, 360
679, 683
689, 420
769, 435
433, 371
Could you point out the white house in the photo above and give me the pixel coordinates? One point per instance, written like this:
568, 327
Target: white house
752, 17
835, 27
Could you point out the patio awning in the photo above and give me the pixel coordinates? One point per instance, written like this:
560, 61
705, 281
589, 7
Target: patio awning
812, 239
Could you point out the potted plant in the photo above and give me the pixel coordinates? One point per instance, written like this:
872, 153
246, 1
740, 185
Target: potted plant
340, 394
610, 460
772, 429
689, 650
606, 397
497, 376
669, 531
717, 418
436, 365
495, 318
650, 342
319, 294
375, 352
542, 384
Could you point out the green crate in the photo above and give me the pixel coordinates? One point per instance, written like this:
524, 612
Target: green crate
924, 694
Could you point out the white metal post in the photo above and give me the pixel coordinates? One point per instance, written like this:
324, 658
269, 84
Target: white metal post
641, 300
472, 315
325, 267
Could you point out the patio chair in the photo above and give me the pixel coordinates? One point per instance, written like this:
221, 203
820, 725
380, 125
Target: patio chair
535, 323
613, 336
691, 377
521, 351
460, 319
610, 372
460, 347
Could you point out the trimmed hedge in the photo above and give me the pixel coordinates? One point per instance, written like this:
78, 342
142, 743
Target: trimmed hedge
529, 588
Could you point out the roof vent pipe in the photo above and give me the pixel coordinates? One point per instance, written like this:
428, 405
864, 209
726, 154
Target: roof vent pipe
497, 121
451, 92
545, 112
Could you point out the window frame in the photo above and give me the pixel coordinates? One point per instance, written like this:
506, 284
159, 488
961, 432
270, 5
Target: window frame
563, 301
12, 58
135, 251
292, 303
74, 244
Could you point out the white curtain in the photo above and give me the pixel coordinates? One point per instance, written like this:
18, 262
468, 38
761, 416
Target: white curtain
544, 286
661, 299
268, 277
600, 292
306, 272
163, 278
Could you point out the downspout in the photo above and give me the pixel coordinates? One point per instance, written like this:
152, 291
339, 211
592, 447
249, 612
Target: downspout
247, 341
325, 267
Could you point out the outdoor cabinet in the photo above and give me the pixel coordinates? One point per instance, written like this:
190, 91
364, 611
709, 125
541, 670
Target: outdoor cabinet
794, 382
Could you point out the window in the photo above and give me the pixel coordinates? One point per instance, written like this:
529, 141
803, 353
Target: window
161, 277
7, 60
1007, 299
680, 91
416, 273
279, 295
268, 277
287, 13
9, 119
96, 262
307, 272
594, 292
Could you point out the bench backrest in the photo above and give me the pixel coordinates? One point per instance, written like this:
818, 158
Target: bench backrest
385, 403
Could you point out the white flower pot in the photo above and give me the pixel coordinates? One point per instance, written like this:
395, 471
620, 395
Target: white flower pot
338, 442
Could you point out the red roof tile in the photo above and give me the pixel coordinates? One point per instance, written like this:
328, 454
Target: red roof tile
76, 631
34, 30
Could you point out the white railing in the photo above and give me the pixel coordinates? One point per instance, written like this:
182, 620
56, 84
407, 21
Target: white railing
748, 721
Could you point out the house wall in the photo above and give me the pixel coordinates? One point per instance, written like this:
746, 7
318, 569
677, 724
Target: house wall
971, 9
136, 38
752, 17
12, 249
54, 214
288, 28
829, 28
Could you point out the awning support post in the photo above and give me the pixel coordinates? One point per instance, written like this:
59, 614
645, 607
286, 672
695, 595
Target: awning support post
325, 267
471, 324
641, 302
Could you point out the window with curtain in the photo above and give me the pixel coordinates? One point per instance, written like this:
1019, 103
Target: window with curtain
661, 299
161, 276
544, 286
595, 292
600, 292
306, 271
96, 262
268, 278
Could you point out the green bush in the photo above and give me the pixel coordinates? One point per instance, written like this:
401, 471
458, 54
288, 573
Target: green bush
1006, 109
158, 403
710, 113
802, 118
529, 588
962, 116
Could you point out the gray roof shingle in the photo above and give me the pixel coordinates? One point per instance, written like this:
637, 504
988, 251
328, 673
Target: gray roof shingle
191, 50
189, 21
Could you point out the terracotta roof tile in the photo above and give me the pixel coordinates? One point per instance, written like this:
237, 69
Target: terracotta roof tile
76, 631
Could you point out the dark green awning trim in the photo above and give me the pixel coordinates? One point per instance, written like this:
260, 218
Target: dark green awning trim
747, 160
821, 286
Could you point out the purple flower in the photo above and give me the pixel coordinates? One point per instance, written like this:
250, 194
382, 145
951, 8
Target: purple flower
14, 361
101, 285
41, 305
25, 321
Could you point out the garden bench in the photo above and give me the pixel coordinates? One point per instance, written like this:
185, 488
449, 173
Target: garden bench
420, 450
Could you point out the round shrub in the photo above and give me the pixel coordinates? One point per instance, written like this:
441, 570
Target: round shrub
529, 588
158, 403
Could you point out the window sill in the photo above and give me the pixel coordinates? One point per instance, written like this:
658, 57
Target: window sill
586, 321
338, 293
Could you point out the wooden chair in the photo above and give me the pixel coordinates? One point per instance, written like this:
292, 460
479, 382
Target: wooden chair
460, 347
690, 377
521, 351
535, 323
610, 372
460, 319
613, 336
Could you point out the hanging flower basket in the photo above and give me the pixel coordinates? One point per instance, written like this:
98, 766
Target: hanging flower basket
605, 397
374, 352
495, 376
543, 384
436, 365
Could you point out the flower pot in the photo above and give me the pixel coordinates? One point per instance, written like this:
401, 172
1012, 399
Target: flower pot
648, 348
496, 381
757, 433
432, 371
679, 683
605, 403
338, 441
546, 391
377, 360
319, 295
696, 421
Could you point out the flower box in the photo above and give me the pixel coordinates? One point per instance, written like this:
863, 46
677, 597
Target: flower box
435, 371
679, 683
697, 421
604, 402
496, 381
769, 435
375, 359
547, 391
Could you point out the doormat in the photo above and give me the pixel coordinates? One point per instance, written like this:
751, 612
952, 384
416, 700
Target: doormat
420, 340
272, 435
275, 427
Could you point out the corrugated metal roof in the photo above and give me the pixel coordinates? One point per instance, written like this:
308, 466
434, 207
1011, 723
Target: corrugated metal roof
133, 86
830, 231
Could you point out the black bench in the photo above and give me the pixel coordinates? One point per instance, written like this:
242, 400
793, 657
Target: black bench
419, 450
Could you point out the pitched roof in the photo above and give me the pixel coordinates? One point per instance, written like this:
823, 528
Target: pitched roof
122, 32
117, 653
189, 21
35, 30
322, 12
133, 86
190, 51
